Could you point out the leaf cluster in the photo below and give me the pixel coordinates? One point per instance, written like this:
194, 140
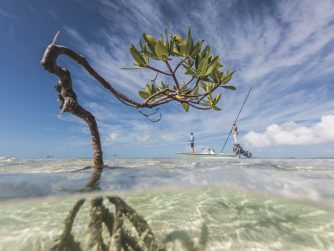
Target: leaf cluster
202, 67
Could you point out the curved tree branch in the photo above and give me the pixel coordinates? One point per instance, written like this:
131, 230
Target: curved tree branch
68, 100
51, 54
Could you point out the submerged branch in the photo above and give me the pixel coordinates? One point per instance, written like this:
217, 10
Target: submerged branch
143, 229
66, 240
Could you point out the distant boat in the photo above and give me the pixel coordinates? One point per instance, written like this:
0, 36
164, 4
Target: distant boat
237, 149
209, 155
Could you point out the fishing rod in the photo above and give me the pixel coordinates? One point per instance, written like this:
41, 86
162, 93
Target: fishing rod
236, 119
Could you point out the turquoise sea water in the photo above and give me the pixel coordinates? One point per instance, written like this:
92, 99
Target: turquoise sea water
190, 204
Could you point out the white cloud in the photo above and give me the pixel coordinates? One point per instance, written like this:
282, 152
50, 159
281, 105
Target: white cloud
9, 15
110, 139
291, 133
168, 136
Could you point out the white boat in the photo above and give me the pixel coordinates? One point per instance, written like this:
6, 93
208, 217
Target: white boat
237, 149
208, 155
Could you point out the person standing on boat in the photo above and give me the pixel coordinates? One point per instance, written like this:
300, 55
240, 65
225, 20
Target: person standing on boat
235, 132
192, 142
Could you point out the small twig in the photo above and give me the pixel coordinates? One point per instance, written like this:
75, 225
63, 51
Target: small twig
190, 90
148, 115
157, 70
155, 78
55, 37
180, 63
173, 75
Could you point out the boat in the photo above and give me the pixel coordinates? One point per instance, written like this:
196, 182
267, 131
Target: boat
238, 151
209, 155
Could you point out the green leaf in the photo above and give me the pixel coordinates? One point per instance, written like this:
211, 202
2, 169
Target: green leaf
145, 57
220, 64
197, 48
154, 88
203, 85
217, 98
189, 70
171, 46
139, 59
206, 51
183, 49
152, 55
150, 40
210, 99
167, 41
195, 91
179, 39
185, 106
161, 50
212, 65
202, 67
217, 108
190, 43
163, 85
148, 90
204, 103
230, 87
227, 77
143, 94
175, 52
216, 75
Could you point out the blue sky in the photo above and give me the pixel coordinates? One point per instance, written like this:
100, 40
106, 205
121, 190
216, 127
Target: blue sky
283, 49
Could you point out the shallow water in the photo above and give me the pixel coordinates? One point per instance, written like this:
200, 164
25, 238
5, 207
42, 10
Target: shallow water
253, 204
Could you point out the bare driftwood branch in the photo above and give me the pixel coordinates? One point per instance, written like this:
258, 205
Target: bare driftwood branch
49, 62
68, 100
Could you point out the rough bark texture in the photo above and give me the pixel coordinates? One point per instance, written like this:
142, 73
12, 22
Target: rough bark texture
143, 229
95, 226
68, 99
94, 181
66, 241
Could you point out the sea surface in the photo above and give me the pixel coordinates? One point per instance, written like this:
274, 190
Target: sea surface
189, 204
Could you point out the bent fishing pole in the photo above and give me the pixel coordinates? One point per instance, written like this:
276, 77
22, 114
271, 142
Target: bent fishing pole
236, 119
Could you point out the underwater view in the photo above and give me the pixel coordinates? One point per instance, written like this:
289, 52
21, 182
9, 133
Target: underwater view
188, 204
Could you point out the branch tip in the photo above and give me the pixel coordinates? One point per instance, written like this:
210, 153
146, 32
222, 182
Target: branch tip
55, 37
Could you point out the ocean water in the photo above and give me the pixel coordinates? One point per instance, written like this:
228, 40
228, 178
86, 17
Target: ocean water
189, 204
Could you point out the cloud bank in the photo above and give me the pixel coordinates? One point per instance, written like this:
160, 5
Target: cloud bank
291, 133
284, 49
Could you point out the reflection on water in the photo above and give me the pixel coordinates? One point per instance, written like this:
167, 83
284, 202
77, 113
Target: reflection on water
212, 217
